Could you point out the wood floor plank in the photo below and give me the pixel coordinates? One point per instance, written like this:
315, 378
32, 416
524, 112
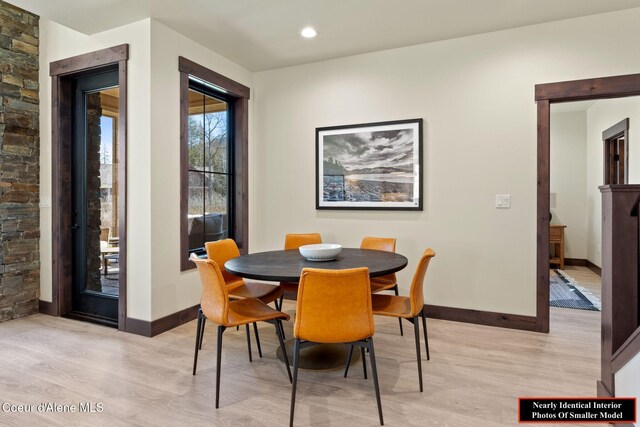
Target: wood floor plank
475, 375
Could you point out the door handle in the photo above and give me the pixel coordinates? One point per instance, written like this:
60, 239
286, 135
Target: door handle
74, 227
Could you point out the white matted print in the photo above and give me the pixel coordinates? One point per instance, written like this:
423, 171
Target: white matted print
370, 166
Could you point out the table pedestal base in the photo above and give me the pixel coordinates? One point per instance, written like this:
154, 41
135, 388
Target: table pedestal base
321, 357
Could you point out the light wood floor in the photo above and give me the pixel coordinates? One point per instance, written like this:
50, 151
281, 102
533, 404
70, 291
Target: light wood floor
586, 278
474, 378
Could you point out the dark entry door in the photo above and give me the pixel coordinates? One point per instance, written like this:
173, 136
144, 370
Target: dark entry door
94, 198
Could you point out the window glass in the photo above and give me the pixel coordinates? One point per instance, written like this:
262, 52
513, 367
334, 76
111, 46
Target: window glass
209, 195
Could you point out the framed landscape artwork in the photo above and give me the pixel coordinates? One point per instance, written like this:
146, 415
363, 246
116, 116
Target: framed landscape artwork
372, 166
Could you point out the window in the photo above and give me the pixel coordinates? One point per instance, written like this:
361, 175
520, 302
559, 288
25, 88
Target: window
210, 168
213, 148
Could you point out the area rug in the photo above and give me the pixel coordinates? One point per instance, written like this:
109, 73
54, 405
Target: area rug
566, 293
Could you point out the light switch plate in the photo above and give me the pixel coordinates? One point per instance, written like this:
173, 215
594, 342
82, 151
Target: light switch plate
45, 202
503, 201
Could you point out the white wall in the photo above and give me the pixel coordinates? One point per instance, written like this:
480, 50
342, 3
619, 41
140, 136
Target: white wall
627, 381
475, 94
155, 286
569, 179
59, 42
172, 290
601, 116
476, 97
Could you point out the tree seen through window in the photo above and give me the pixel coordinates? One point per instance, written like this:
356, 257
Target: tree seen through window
209, 169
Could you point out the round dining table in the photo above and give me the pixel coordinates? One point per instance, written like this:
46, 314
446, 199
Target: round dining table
287, 265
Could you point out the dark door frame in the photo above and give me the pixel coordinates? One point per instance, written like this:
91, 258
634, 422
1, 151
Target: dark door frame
100, 307
546, 94
62, 74
615, 132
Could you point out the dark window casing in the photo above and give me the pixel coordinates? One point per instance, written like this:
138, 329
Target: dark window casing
237, 97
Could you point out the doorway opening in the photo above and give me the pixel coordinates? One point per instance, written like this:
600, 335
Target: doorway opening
576, 173
89, 186
546, 95
619, 321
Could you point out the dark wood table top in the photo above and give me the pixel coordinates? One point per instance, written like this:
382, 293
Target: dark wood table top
286, 266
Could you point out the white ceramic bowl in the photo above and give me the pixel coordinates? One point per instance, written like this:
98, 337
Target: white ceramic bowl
320, 252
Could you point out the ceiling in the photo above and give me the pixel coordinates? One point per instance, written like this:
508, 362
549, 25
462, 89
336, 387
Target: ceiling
264, 34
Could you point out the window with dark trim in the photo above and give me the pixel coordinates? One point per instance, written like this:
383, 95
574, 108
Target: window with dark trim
213, 157
210, 188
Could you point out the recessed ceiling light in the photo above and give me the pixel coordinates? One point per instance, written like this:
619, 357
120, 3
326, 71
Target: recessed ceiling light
308, 32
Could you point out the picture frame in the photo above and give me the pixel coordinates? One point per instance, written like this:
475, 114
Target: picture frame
370, 166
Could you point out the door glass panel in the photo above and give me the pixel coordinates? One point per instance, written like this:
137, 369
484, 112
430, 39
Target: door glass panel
102, 242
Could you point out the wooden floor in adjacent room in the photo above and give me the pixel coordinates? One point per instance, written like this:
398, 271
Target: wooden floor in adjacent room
474, 378
585, 278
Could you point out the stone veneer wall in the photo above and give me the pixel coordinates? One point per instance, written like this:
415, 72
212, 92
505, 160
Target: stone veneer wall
19, 163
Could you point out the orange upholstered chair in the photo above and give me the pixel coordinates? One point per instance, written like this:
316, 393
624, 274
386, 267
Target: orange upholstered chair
294, 241
334, 306
410, 308
388, 282
222, 251
216, 306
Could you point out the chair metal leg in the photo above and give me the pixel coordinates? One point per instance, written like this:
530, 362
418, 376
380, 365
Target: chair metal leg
364, 362
278, 325
255, 329
424, 331
416, 328
346, 368
276, 302
249, 342
296, 357
204, 322
218, 362
395, 289
281, 301
198, 341
374, 372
